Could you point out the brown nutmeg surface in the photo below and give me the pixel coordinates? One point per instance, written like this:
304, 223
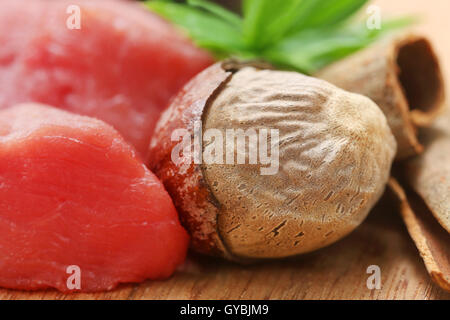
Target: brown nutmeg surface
333, 150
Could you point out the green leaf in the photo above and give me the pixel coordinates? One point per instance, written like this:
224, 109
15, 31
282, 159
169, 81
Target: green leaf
206, 29
277, 27
255, 11
398, 23
228, 16
304, 35
265, 20
319, 13
313, 49
306, 50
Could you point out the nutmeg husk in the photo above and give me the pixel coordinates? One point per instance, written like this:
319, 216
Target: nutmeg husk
403, 77
424, 196
432, 241
336, 151
429, 174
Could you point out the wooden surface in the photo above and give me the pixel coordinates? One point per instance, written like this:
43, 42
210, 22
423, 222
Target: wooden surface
336, 272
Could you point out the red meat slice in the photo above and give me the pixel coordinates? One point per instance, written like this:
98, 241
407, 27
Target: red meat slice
73, 192
122, 66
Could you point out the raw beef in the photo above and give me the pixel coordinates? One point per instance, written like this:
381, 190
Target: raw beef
122, 66
74, 193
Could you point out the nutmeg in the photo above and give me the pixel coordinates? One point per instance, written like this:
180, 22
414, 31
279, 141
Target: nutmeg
321, 162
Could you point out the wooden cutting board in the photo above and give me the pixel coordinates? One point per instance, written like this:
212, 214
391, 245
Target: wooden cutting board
336, 272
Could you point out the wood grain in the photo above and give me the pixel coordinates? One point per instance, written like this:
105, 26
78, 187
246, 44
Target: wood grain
336, 272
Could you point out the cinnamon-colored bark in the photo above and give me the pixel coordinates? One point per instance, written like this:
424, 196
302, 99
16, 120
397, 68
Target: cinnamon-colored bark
400, 74
432, 241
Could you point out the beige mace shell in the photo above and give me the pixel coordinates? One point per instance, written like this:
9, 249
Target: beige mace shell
335, 155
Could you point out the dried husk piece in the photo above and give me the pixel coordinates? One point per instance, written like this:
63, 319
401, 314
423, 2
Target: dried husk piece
429, 174
432, 241
336, 150
402, 76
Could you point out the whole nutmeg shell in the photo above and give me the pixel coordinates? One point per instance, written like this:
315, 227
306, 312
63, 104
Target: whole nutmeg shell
334, 151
